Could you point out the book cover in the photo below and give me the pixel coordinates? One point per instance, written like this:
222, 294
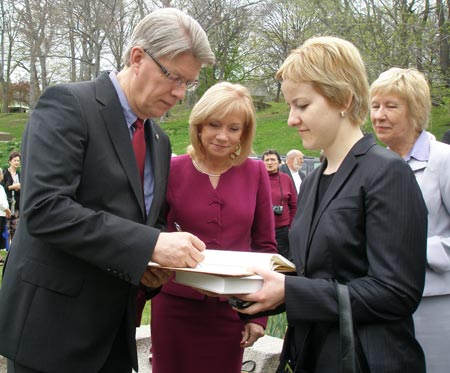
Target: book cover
225, 285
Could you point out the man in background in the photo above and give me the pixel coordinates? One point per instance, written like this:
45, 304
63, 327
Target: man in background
294, 162
94, 176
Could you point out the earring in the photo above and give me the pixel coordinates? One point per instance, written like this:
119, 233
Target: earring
342, 113
238, 149
236, 152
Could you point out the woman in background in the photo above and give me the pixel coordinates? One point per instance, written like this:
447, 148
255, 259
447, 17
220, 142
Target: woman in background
217, 193
284, 200
11, 183
5, 213
400, 112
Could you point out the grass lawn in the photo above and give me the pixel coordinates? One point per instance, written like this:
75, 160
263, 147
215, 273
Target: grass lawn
272, 131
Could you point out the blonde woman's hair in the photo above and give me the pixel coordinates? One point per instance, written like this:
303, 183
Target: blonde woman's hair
219, 101
410, 85
336, 70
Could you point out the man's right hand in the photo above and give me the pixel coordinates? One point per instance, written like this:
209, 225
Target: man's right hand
178, 249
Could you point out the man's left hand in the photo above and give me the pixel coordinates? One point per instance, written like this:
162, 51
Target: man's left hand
155, 277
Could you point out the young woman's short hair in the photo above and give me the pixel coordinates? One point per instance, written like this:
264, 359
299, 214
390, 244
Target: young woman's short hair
336, 70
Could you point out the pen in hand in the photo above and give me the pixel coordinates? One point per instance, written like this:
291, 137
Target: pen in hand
178, 228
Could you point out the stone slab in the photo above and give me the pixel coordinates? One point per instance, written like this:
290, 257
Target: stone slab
265, 352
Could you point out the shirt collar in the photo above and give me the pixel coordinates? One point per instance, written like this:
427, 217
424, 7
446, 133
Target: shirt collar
130, 117
421, 148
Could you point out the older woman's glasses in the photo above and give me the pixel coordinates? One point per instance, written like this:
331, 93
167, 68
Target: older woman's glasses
189, 84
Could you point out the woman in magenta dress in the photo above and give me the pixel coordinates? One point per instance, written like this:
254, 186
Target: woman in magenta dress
218, 194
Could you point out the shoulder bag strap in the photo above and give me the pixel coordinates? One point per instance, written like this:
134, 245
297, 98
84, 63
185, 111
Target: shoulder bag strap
353, 356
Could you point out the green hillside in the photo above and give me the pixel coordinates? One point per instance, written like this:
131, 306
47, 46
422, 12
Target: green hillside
272, 130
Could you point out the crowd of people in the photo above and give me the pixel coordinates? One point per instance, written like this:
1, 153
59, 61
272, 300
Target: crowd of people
103, 196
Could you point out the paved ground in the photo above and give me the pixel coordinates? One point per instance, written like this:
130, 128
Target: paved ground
2, 364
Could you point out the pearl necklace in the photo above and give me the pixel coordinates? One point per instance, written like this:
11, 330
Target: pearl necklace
197, 167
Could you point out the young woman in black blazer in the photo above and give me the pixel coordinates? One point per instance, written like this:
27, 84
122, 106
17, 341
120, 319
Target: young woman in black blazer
361, 221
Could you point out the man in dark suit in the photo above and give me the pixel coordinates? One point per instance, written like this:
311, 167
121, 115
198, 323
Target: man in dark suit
89, 213
292, 167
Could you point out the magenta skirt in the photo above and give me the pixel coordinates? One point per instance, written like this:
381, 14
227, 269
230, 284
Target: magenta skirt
195, 336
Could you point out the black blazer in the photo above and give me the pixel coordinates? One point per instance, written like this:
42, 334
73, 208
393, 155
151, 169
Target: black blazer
82, 244
370, 232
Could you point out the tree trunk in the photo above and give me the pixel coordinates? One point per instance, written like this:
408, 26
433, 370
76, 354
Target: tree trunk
444, 35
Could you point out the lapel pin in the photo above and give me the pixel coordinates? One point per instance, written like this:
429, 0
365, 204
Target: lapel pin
157, 136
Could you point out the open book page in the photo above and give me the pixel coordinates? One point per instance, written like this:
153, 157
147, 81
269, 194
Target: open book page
236, 263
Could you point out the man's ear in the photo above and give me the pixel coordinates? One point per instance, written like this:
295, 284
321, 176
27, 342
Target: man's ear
137, 54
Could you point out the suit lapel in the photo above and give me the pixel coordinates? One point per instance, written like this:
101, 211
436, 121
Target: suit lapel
154, 145
339, 180
115, 124
308, 213
336, 184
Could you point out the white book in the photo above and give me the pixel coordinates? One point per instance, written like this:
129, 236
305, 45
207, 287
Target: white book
226, 285
236, 263
227, 272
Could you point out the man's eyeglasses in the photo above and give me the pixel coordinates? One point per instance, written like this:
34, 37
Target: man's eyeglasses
189, 84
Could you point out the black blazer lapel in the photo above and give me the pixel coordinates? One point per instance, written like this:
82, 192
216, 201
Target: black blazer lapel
153, 145
338, 181
160, 154
307, 213
115, 123
343, 173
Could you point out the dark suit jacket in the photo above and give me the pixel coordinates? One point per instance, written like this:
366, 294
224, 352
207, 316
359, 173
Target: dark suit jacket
369, 232
82, 244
